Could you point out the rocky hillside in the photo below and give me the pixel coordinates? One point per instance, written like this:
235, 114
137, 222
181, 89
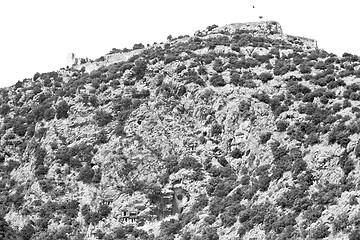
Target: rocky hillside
236, 132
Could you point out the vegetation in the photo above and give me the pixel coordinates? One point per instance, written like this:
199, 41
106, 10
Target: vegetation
161, 125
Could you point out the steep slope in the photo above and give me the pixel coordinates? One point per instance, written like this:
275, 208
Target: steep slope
237, 132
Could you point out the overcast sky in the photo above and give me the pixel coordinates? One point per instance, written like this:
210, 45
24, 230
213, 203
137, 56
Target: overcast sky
37, 35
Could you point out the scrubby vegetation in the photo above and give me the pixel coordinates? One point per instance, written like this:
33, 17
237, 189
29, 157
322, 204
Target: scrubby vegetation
223, 132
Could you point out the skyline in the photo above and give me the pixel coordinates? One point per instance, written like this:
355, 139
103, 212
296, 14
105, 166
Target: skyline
39, 35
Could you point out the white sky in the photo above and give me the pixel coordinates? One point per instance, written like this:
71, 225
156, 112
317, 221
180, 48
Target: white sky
37, 35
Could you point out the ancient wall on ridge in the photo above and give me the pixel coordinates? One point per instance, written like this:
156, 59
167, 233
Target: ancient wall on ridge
265, 27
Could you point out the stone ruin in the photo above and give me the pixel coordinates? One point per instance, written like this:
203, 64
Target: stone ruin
71, 60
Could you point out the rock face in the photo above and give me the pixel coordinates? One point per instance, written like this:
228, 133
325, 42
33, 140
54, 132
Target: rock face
237, 132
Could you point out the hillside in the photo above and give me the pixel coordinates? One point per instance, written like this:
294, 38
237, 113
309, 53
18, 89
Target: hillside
236, 132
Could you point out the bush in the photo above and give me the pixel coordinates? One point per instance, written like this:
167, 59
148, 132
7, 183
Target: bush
281, 68
86, 174
170, 228
190, 163
102, 118
357, 150
236, 153
27, 231
4, 109
62, 110
101, 137
139, 68
202, 70
216, 129
210, 233
321, 231
20, 126
170, 58
227, 219
355, 234
104, 210
262, 97
282, 125
200, 202
265, 137
265, 77
236, 79
49, 114
305, 68
340, 222
217, 80
180, 68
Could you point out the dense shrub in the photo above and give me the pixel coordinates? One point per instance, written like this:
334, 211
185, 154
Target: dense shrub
20, 126
217, 80
190, 163
281, 125
227, 219
104, 210
355, 234
86, 174
138, 46
218, 65
4, 109
62, 110
170, 228
202, 70
216, 129
139, 68
101, 137
305, 68
282, 67
49, 114
320, 231
170, 58
236, 153
340, 222
265, 77
262, 97
180, 68
27, 231
235, 78
280, 109
102, 118
265, 137
210, 233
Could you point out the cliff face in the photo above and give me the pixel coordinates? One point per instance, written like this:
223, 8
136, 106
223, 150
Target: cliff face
236, 132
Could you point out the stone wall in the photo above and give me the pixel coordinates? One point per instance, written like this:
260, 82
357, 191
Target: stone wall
265, 27
305, 42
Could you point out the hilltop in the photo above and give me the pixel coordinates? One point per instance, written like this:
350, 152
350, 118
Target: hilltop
237, 132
